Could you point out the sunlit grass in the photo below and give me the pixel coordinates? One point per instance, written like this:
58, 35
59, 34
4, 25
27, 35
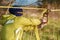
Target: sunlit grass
51, 31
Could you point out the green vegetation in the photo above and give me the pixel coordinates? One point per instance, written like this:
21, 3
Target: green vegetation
52, 30
49, 32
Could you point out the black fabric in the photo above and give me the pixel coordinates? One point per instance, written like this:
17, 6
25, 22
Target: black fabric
15, 11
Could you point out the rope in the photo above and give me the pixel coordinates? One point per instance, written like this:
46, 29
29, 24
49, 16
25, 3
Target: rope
29, 8
22, 7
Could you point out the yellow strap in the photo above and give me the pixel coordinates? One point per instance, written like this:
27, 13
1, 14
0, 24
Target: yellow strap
19, 33
36, 33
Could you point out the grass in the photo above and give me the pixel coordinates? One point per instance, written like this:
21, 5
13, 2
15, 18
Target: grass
49, 32
52, 30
